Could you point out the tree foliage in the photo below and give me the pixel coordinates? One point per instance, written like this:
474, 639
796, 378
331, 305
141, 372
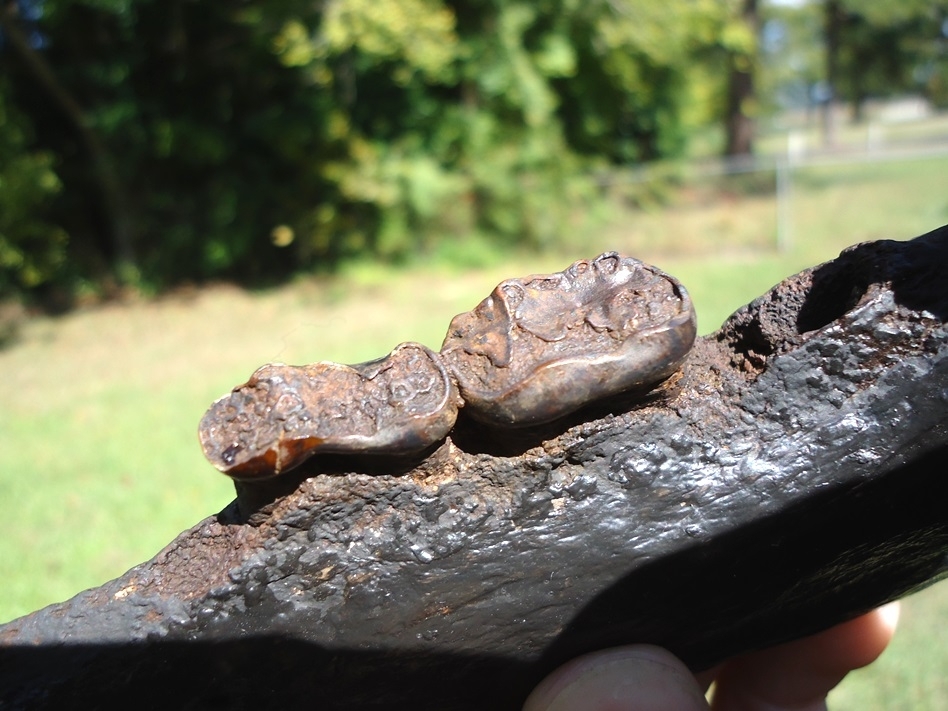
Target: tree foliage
32, 250
175, 140
854, 50
890, 47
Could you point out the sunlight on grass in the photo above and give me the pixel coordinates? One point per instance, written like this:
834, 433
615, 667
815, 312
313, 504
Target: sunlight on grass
910, 674
100, 465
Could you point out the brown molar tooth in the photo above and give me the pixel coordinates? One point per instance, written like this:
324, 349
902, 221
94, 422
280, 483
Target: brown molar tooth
541, 347
284, 414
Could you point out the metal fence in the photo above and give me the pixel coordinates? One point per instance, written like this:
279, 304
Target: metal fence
780, 166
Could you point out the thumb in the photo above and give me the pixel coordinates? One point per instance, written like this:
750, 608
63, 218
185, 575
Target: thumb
634, 678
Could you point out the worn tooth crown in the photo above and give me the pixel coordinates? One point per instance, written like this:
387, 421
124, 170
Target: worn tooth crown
284, 414
541, 347
535, 350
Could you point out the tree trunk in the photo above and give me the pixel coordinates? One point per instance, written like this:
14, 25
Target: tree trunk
739, 120
109, 186
834, 18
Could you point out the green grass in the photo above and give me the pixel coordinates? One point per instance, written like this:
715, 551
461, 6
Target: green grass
99, 461
910, 674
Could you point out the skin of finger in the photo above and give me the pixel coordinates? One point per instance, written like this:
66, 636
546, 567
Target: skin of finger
798, 675
637, 677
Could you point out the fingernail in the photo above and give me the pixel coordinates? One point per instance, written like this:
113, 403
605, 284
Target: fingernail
889, 615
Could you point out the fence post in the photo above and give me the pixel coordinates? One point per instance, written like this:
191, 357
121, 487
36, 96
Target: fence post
784, 168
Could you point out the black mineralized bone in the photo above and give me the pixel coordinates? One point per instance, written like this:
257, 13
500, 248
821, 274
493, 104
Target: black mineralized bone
791, 477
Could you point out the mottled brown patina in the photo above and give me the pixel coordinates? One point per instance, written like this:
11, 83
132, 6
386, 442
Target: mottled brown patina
535, 350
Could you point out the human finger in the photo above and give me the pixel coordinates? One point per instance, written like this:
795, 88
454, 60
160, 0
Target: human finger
637, 677
798, 675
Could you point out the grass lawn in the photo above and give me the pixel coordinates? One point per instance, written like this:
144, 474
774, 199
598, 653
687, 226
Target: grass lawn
99, 461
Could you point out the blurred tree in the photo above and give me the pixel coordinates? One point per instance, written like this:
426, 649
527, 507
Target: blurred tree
178, 152
886, 46
740, 39
635, 74
792, 55
248, 139
32, 251
473, 115
879, 48
112, 199
830, 51
834, 19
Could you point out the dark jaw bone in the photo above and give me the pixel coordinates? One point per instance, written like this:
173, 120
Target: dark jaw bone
792, 479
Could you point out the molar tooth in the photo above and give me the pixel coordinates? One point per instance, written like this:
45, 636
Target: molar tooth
596, 329
266, 426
